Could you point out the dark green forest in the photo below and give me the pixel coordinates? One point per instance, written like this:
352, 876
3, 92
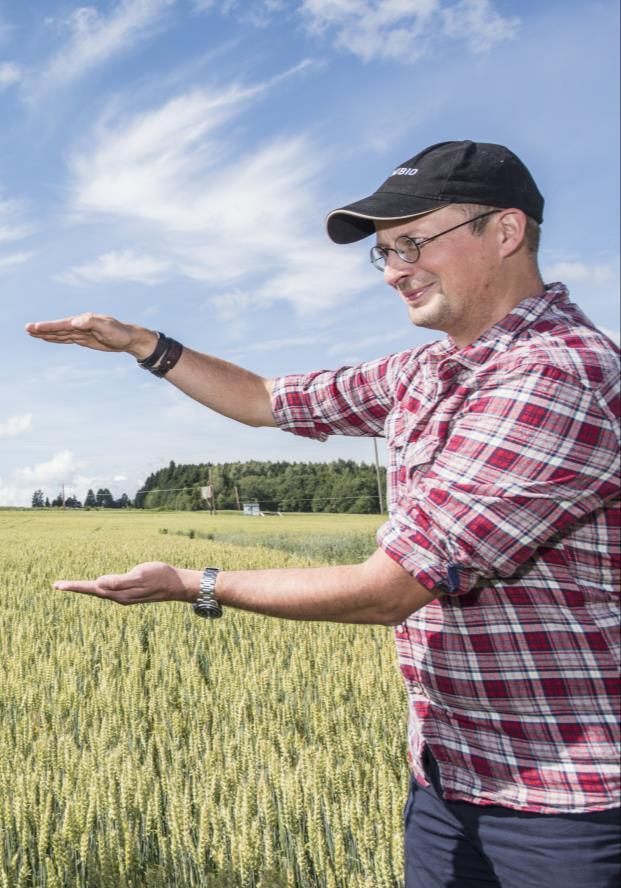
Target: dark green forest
340, 486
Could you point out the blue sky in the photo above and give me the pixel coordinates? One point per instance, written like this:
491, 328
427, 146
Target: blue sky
171, 162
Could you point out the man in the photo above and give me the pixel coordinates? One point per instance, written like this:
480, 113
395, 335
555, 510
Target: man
499, 563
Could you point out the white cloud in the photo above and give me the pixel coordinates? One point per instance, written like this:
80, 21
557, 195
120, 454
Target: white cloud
479, 24
135, 168
123, 265
63, 467
95, 38
12, 259
16, 425
257, 14
13, 495
12, 226
404, 30
590, 283
223, 6
229, 218
602, 273
9, 75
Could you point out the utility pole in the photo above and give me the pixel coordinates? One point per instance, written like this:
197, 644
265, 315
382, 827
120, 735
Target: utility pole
213, 493
379, 479
237, 498
63, 495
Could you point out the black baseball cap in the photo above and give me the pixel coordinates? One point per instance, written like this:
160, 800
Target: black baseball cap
445, 173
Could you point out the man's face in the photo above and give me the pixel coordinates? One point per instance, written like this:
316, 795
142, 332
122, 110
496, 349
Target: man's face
451, 287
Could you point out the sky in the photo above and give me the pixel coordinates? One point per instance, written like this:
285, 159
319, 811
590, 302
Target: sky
171, 163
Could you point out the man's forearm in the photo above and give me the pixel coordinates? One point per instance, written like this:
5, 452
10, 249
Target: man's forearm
377, 591
224, 387
320, 593
220, 385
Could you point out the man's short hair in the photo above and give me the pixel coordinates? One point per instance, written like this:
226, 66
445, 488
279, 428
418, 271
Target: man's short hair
532, 235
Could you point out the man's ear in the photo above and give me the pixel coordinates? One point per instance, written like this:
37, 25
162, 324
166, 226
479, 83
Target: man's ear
511, 228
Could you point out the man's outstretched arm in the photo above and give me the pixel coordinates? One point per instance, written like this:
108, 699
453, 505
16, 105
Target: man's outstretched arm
376, 591
224, 387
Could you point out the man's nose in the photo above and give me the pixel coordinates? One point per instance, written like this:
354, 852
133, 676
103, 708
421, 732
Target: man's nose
396, 268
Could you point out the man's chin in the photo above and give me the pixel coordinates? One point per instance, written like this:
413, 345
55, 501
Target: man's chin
421, 318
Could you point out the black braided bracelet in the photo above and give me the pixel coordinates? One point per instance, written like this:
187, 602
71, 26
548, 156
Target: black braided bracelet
171, 356
162, 346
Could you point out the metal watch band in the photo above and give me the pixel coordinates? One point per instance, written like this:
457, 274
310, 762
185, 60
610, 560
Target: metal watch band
206, 604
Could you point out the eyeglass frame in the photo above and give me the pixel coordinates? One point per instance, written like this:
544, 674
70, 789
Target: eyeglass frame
376, 252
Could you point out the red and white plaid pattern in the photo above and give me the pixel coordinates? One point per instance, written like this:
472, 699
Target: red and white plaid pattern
503, 486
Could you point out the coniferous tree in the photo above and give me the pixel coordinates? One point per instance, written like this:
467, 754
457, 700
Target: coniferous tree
104, 498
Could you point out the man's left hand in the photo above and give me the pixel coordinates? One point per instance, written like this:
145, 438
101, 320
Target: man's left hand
146, 583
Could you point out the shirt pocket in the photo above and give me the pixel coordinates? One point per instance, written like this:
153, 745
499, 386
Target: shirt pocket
419, 454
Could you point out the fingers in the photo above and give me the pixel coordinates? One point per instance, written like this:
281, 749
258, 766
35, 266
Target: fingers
86, 587
63, 325
70, 331
140, 585
121, 588
100, 332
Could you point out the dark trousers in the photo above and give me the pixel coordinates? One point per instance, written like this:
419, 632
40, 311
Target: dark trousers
460, 845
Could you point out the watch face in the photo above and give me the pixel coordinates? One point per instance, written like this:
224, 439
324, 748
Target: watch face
209, 610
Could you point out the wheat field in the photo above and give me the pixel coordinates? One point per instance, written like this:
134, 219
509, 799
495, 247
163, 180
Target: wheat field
144, 747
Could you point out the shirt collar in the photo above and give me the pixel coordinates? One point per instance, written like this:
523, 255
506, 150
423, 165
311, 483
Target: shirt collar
499, 337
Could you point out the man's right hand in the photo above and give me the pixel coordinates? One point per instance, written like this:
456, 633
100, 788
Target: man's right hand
100, 332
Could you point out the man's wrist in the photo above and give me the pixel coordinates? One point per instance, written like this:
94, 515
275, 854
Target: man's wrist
142, 343
190, 581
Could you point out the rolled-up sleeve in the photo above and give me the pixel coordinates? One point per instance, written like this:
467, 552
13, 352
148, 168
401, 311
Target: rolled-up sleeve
349, 401
526, 459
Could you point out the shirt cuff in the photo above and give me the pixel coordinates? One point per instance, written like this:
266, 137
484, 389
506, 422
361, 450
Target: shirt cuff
292, 411
421, 557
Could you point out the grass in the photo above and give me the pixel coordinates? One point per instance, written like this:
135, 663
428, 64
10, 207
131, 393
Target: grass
142, 747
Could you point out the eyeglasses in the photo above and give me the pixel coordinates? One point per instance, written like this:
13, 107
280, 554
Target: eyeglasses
408, 248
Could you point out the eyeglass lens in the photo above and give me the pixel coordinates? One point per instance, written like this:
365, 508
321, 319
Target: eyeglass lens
405, 248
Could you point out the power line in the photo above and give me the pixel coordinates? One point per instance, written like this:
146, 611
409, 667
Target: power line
277, 504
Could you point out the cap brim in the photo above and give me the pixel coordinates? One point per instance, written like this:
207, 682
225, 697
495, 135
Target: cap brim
357, 221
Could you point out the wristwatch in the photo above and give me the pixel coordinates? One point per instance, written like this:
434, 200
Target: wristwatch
206, 604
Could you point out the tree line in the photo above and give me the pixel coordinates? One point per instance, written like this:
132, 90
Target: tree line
339, 486
103, 499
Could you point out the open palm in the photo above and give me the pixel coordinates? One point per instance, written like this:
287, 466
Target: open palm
89, 330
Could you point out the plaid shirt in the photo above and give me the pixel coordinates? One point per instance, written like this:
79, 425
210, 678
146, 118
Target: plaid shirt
503, 486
